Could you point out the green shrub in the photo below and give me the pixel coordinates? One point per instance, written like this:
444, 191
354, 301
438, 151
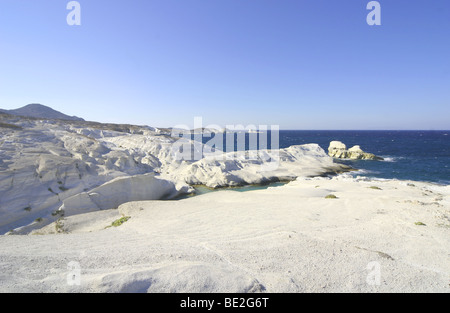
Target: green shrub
120, 221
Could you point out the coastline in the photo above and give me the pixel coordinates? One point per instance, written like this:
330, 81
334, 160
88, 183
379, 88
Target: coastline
96, 202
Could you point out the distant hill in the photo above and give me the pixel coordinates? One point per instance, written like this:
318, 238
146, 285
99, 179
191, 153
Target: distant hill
41, 111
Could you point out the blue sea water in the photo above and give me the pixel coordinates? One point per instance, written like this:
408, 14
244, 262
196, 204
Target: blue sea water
409, 155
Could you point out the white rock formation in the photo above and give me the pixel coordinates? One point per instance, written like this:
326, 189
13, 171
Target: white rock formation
51, 166
339, 150
254, 168
43, 163
118, 191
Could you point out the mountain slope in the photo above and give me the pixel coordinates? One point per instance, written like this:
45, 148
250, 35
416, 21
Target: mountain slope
40, 111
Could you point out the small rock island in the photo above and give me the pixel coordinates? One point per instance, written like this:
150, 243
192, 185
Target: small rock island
339, 150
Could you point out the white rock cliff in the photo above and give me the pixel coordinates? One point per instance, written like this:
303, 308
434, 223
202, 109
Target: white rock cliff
54, 167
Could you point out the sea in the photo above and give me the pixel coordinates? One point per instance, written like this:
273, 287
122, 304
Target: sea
408, 155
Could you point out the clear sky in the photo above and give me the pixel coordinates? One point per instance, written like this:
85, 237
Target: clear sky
300, 64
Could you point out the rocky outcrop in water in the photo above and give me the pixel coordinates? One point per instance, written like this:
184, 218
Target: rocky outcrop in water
339, 150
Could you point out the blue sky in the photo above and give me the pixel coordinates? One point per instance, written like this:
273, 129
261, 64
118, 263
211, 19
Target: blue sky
300, 64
